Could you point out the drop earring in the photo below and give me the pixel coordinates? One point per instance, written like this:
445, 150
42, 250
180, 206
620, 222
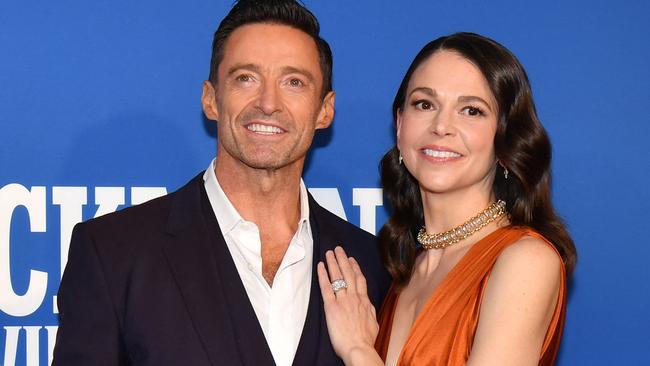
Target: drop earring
400, 158
505, 170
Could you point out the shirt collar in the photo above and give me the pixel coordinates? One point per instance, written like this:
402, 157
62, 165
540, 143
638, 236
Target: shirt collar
227, 214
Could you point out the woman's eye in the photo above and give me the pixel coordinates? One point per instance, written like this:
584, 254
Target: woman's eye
423, 104
472, 111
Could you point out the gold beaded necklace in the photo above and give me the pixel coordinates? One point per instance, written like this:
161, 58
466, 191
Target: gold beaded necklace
471, 226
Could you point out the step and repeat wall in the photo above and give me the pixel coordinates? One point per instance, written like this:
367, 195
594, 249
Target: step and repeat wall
100, 110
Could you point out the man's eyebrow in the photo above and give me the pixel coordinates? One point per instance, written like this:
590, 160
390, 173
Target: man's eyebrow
297, 70
428, 91
473, 98
237, 67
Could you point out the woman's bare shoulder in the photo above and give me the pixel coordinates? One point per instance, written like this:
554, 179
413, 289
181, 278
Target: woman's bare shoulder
517, 305
531, 258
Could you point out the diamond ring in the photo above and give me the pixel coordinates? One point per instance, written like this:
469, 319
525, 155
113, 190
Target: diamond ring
338, 285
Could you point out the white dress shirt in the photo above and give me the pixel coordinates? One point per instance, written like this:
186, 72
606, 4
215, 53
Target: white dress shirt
281, 310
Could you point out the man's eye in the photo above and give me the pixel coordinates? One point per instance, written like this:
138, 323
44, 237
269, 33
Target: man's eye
243, 78
296, 82
472, 111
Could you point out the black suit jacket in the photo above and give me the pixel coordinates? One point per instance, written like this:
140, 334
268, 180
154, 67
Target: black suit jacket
155, 284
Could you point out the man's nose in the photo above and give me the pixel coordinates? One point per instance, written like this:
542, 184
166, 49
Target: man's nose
268, 100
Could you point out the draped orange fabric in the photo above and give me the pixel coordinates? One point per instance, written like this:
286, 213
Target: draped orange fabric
443, 332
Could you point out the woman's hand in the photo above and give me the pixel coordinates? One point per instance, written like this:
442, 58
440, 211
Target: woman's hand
351, 318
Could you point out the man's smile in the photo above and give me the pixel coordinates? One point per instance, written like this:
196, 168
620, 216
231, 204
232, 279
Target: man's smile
264, 129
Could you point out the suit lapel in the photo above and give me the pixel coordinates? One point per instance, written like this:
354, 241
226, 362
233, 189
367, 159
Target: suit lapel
208, 280
314, 347
249, 337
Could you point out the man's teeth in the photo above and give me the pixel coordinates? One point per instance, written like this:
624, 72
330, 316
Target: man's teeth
255, 127
441, 154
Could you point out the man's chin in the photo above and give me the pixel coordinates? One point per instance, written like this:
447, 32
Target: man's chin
267, 163
261, 159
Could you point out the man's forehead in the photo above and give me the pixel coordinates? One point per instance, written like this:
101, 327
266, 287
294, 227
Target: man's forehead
270, 43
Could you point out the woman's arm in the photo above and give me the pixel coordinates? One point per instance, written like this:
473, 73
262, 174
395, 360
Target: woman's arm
351, 318
517, 305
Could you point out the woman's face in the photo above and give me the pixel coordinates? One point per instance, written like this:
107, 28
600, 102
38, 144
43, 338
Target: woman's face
446, 127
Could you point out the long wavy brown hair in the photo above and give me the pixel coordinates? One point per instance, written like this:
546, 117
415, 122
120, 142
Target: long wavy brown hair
521, 145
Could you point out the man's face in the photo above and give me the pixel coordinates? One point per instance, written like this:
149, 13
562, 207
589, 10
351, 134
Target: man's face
267, 100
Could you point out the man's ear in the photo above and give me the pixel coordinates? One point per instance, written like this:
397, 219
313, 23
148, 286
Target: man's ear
209, 101
326, 113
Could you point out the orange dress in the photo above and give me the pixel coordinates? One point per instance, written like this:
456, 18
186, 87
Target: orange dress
443, 332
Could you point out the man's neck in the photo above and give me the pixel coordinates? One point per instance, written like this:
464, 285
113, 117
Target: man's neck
260, 195
270, 199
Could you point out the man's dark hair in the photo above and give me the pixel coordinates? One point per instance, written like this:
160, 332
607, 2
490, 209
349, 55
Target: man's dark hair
284, 12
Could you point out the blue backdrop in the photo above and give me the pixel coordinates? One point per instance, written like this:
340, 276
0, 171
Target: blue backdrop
99, 109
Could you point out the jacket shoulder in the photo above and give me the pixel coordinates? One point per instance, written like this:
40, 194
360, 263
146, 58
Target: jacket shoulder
342, 229
144, 218
129, 224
